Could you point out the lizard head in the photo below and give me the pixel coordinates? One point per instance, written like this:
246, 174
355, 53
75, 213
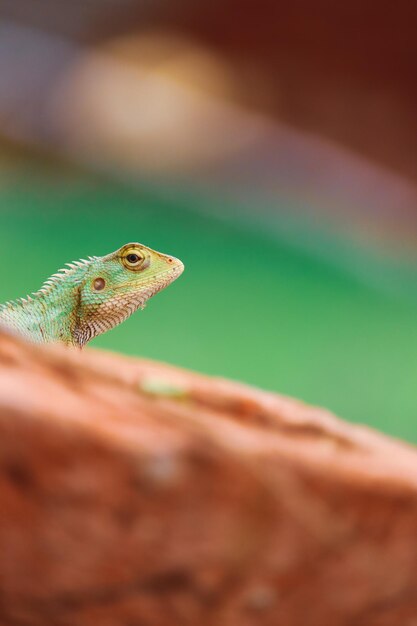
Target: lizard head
116, 285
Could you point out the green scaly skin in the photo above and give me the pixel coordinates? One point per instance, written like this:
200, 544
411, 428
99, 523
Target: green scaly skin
91, 296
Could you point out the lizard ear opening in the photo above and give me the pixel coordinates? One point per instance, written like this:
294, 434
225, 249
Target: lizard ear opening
99, 284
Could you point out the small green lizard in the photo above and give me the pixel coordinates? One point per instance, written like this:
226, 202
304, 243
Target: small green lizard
91, 296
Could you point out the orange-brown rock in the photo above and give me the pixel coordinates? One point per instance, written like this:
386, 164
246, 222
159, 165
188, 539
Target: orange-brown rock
133, 493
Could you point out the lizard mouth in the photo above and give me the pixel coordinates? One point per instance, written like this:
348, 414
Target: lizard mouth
175, 271
166, 277
158, 281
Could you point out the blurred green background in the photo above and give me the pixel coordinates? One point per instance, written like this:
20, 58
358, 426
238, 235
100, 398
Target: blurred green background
252, 305
263, 151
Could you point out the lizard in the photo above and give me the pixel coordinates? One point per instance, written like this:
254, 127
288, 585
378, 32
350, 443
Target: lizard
91, 296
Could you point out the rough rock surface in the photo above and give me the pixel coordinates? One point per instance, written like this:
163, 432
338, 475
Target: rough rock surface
133, 493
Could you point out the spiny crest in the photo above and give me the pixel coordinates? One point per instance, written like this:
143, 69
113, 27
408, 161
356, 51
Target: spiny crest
12, 304
50, 283
61, 275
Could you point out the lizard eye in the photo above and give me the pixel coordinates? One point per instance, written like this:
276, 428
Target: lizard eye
134, 261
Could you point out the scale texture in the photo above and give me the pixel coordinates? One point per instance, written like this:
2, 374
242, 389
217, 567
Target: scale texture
91, 296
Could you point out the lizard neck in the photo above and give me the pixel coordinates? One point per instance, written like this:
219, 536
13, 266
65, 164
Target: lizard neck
49, 316
41, 319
